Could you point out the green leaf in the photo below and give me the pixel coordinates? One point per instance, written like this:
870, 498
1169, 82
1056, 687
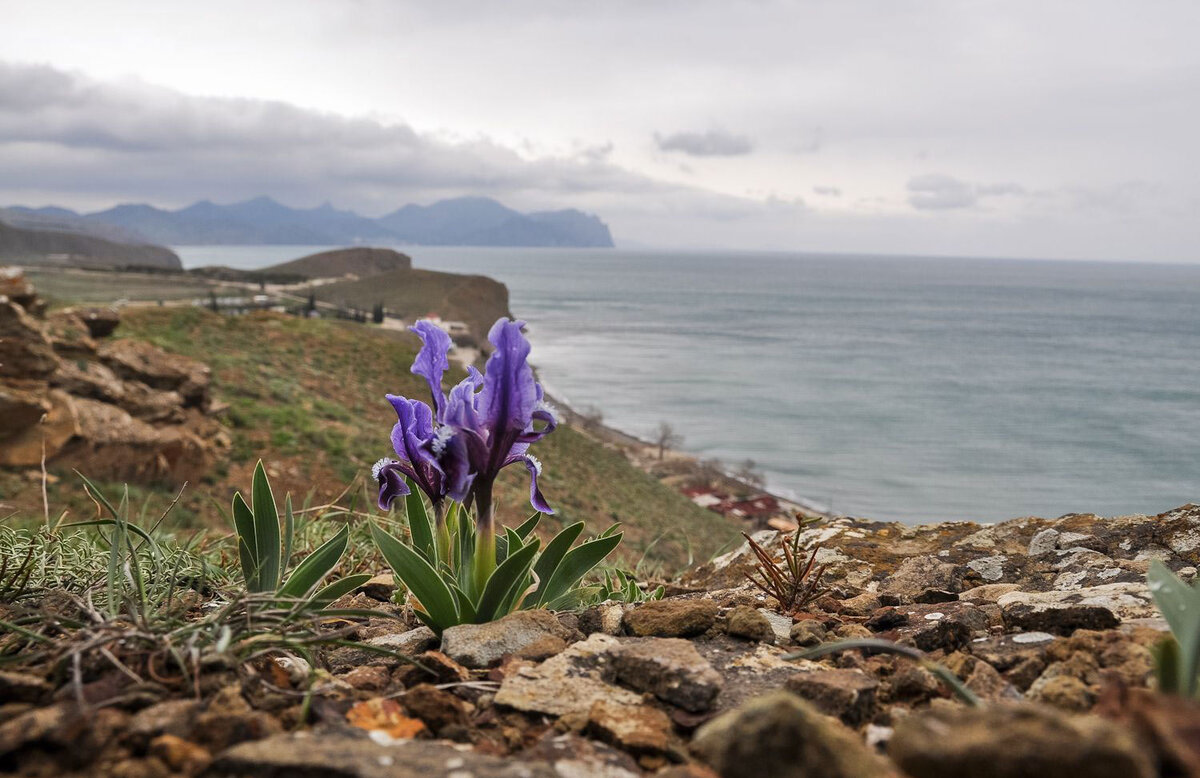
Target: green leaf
422, 580
466, 608
552, 557
529, 525
510, 573
266, 530
576, 564
289, 532
243, 525
1166, 666
135, 529
342, 586
316, 565
419, 525
1180, 606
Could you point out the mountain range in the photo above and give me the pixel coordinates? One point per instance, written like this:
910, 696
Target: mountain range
462, 221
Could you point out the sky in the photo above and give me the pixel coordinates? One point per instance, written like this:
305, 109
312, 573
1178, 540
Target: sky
1016, 129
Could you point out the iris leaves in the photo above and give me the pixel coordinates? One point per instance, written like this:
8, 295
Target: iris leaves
264, 551
442, 578
1177, 658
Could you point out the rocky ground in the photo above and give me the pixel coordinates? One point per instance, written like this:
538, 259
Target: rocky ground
1048, 622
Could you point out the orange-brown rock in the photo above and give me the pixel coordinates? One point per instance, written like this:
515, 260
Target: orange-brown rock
25, 351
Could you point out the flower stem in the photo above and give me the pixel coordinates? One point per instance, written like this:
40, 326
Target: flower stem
485, 535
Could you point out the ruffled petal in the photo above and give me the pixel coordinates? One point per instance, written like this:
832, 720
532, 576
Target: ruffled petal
535, 495
390, 476
431, 362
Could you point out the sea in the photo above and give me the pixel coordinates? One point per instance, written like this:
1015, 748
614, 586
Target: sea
915, 389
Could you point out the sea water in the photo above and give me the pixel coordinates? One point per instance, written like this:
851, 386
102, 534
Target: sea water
908, 388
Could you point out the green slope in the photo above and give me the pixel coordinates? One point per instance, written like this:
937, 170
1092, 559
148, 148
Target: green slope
308, 397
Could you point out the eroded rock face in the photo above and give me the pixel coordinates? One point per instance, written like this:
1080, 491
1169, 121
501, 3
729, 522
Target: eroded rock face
481, 645
121, 410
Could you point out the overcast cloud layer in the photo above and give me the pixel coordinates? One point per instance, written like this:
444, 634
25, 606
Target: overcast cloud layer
979, 128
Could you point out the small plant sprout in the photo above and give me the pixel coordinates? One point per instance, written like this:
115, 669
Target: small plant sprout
265, 552
1177, 656
793, 583
460, 567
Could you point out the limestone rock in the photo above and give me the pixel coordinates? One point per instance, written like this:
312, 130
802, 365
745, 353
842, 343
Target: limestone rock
670, 669
782, 736
571, 682
920, 574
638, 729
1063, 612
483, 645
671, 618
847, 694
158, 369
27, 447
1013, 741
808, 633
746, 622
337, 755
25, 351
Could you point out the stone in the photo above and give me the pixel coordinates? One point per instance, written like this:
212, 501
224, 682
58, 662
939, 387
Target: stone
637, 729
568, 683
746, 622
671, 618
808, 633
338, 755
21, 408
929, 627
1064, 692
439, 709
179, 754
1014, 741
669, 668
861, 605
21, 687
371, 678
140, 361
988, 593
380, 587
781, 736
578, 757
1063, 612
1043, 542
780, 623
100, 322
47, 439
919, 574
169, 717
25, 351
846, 694
410, 643
606, 618
483, 645
229, 719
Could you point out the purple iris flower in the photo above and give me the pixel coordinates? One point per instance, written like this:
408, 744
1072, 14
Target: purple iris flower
457, 448
494, 417
414, 432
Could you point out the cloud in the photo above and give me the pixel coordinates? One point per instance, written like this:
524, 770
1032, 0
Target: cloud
714, 143
827, 191
938, 192
63, 131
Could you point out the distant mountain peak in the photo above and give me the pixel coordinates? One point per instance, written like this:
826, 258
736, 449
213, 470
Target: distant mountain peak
470, 220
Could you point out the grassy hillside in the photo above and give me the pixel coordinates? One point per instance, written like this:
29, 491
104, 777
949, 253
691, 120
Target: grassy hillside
307, 397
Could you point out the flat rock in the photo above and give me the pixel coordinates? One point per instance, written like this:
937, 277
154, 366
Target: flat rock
343, 756
570, 682
846, 694
483, 645
671, 618
669, 668
1062, 612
